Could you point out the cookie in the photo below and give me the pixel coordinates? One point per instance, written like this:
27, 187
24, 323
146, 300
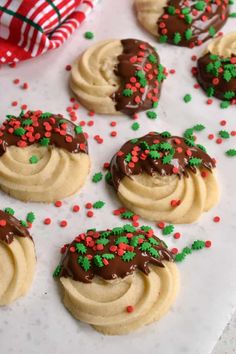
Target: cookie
43, 157
17, 259
182, 23
216, 68
117, 280
118, 76
164, 177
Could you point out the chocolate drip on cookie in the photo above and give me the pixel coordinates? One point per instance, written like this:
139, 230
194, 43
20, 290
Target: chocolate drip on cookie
217, 76
141, 76
36, 127
112, 254
10, 227
161, 154
190, 23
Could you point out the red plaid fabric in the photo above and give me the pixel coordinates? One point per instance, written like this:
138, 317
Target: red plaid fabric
30, 28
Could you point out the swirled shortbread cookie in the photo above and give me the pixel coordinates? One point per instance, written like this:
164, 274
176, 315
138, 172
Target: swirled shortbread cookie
183, 23
216, 68
117, 76
118, 280
164, 177
43, 157
17, 259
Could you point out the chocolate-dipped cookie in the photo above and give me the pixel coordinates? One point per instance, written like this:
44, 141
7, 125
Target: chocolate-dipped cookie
43, 157
117, 280
180, 22
164, 177
216, 68
118, 76
17, 259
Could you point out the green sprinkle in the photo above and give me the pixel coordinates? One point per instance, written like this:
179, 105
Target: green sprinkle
231, 152
180, 257
187, 250
135, 240
224, 104
153, 241
9, 211
224, 134
165, 146
127, 215
210, 91
128, 157
155, 104
198, 244
167, 159
168, 230
233, 14
177, 38
24, 223
187, 98
154, 154
188, 19
151, 114
227, 75
201, 147
99, 204
163, 39
171, 10
33, 159
194, 161
30, 217
98, 261
78, 129
102, 241
84, 262
108, 256
229, 95
44, 141
153, 252
57, 271
46, 115
129, 228
152, 58
165, 134
145, 228
21, 113
97, 177
27, 122
199, 127
189, 142
80, 248
128, 256
89, 35
135, 126
212, 31
122, 239
117, 230
200, 5
188, 133
185, 10
108, 177
188, 34
127, 92
19, 131
145, 246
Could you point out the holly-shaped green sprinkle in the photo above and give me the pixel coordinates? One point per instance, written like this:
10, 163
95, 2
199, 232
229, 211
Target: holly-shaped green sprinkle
129, 228
167, 159
201, 147
180, 257
118, 231
89, 35
99, 204
171, 10
135, 126
146, 228
78, 129
57, 271
200, 5
198, 244
46, 115
127, 92
210, 91
188, 34
80, 248
108, 177
19, 131
9, 211
128, 157
163, 38
199, 127
233, 14
154, 155
187, 250
212, 31
84, 262
108, 256
166, 134
33, 159
153, 241
153, 252
127, 215
187, 98
27, 122
224, 134
44, 141
224, 104
189, 142
145, 246
194, 161
30, 217
185, 10
165, 146
24, 223
152, 58
227, 75
168, 230
188, 19
135, 240
151, 115
231, 152
102, 241
97, 177
98, 261
128, 256
177, 38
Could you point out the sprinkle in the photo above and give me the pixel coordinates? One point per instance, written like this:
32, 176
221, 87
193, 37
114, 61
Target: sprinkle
3, 222
58, 204
231, 152
177, 235
167, 230
47, 221
211, 136
129, 309
97, 177
135, 126
89, 35
68, 67
113, 133
224, 134
216, 219
30, 217
75, 208
99, 204
208, 244
33, 159
25, 86
174, 250
63, 223
187, 98
88, 205
161, 225
219, 141
90, 214
151, 114
9, 211
14, 103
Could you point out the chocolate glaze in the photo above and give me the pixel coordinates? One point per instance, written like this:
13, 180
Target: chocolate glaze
61, 134
136, 57
214, 14
182, 153
206, 77
116, 267
12, 228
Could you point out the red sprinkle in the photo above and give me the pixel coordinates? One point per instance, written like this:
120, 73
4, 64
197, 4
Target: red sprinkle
208, 244
90, 214
216, 219
63, 223
174, 250
223, 122
3, 222
58, 204
113, 133
76, 208
177, 235
161, 225
14, 103
219, 141
47, 221
68, 67
129, 309
88, 205
25, 85
211, 136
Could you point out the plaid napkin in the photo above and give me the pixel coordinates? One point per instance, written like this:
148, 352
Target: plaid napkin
29, 28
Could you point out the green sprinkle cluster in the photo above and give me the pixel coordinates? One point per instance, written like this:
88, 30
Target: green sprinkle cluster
196, 245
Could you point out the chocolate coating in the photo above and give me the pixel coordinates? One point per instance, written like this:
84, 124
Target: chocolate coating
202, 18
141, 73
217, 76
11, 229
117, 243
33, 126
135, 157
